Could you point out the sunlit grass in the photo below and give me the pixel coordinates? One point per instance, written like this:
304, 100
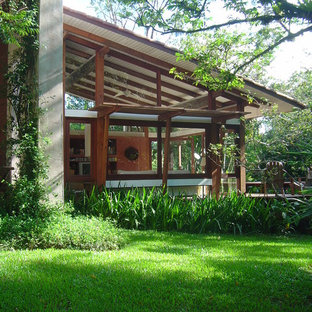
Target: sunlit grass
163, 272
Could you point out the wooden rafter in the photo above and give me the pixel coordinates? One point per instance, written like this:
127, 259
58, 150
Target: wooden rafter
120, 47
84, 69
118, 81
80, 72
150, 67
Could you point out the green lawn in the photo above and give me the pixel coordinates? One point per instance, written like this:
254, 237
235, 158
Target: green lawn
163, 272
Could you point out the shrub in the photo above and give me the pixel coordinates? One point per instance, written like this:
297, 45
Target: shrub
58, 230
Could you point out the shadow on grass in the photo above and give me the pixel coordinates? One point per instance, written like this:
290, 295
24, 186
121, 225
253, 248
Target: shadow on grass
274, 247
183, 275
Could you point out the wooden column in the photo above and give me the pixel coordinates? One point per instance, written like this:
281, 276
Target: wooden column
102, 150
158, 79
213, 165
241, 170
148, 149
166, 154
192, 156
159, 150
180, 156
212, 101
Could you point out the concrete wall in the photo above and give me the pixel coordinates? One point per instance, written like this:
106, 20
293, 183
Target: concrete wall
51, 89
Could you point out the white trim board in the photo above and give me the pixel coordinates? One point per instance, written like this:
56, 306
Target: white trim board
127, 116
157, 182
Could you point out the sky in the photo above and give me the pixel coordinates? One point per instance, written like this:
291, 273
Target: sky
290, 57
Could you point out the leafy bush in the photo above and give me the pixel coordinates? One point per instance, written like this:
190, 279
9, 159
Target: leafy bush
151, 209
59, 230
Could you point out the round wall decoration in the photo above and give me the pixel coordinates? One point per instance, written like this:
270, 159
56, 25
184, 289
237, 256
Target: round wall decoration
132, 153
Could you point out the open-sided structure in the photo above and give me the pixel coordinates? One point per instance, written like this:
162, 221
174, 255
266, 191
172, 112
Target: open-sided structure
147, 128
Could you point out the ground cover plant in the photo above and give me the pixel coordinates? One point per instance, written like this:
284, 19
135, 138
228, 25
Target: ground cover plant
55, 227
163, 272
151, 209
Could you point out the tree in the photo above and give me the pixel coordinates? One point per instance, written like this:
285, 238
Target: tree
123, 14
271, 22
20, 25
16, 21
285, 137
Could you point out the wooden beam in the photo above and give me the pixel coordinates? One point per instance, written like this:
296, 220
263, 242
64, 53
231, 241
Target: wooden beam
81, 72
165, 116
120, 47
151, 67
166, 155
212, 105
196, 102
99, 78
149, 78
118, 85
84, 42
138, 74
70, 50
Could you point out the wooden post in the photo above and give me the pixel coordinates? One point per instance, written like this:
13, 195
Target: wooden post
192, 156
241, 177
212, 101
213, 166
159, 150
148, 150
180, 155
166, 154
105, 148
99, 149
158, 79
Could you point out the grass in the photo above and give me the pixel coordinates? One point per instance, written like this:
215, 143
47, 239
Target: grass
163, 272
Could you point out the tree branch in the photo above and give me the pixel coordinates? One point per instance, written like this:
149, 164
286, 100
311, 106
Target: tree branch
289, 37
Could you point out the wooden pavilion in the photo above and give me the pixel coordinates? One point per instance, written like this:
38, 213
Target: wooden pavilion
146, 127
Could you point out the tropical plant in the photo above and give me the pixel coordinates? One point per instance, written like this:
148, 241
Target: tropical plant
152, 209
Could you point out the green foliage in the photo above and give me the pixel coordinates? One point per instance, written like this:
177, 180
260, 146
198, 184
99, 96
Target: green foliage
151, 209
19, 22
73, 102
270, 24
287, 138
16, 22
56, 229
222, 54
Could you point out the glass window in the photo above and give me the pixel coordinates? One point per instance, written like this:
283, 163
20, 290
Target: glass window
132, 150
80, 149
186, 152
